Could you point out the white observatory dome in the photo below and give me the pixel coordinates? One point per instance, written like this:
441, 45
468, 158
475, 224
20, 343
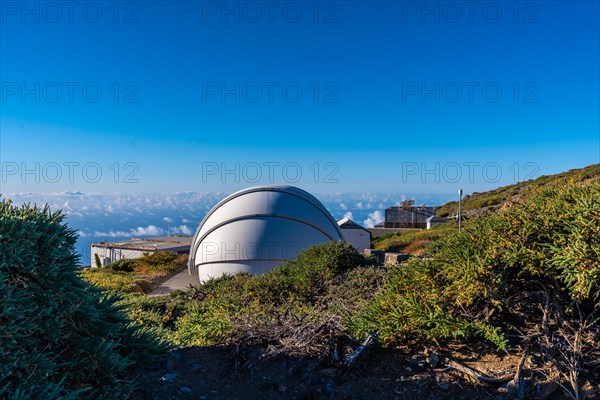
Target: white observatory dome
257, 229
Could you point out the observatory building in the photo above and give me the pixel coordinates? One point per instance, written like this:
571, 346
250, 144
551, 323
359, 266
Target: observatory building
257, 229
356, 235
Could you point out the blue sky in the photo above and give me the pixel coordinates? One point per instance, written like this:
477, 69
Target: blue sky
395, 97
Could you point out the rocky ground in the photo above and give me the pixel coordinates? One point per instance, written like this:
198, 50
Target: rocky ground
253, 372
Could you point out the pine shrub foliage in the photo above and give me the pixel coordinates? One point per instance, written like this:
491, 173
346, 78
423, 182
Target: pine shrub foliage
59, 336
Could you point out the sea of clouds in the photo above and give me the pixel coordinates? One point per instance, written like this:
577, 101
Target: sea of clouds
116, 216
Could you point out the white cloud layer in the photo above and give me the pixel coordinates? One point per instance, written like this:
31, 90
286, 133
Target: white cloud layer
118, 216
150, 230
374, 218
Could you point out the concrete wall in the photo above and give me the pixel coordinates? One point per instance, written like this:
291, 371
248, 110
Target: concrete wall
376, 232
108, 255
358, 238
386, 258
431, 224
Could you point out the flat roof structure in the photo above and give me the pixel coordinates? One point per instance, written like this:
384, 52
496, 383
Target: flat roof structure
164, 243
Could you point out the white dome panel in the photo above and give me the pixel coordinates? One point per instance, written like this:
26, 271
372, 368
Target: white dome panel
256, 229
262, 238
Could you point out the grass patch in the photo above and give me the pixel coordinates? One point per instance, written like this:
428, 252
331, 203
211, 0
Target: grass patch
135, 275
124, 282
417, 242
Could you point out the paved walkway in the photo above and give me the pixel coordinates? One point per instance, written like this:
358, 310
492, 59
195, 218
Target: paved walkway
181, 281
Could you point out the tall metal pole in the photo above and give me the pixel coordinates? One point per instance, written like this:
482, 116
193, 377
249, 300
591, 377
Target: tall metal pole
459, 207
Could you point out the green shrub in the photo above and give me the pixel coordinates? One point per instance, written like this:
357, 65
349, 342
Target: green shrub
133, 275
488, 201
59, 337
97, 260
353, 290
469, 288
234, 285
141, 286
205, 322
411, 307
556, 237
159, 313
125, 265
300, 288
158, 262
158, 258
116, 281
307, 277
413, 241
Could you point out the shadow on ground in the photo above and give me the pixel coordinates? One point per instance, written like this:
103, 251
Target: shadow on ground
229, 372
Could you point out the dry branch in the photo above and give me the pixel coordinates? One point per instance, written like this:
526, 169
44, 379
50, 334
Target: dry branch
369, 341
470, 372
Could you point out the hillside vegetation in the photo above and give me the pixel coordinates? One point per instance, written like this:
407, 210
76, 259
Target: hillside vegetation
326, 283
520, 280
521, 191
534, 265
416, 242
524, 279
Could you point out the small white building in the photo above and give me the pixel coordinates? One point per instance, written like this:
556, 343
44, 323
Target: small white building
135, 248
354, 234
434, 220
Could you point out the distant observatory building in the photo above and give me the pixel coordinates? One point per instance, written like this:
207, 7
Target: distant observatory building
257, 229
356, 235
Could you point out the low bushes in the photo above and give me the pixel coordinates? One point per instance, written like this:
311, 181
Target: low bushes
118, 281
160, 262
412, 306
59, 336
530, 270
417, 242
484, 282
125, 265
297, 288
135, 275
325, 280
307, 278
